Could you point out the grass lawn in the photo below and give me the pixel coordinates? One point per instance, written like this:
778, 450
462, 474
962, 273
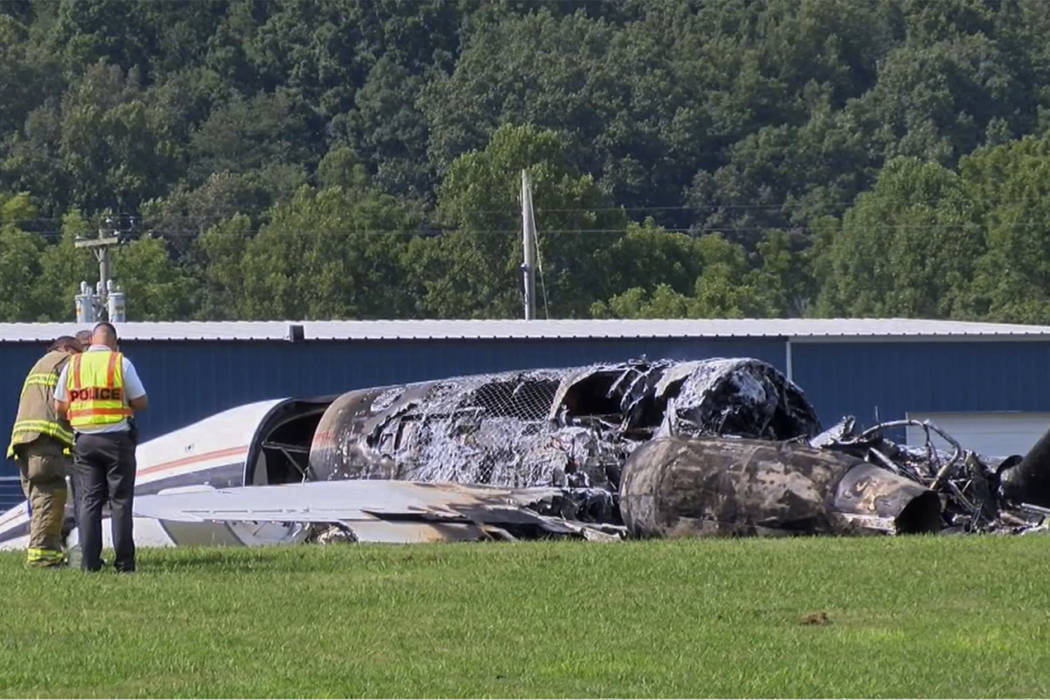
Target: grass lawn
884, 617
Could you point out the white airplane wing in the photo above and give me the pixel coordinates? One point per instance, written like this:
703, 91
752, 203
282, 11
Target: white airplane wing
376, 510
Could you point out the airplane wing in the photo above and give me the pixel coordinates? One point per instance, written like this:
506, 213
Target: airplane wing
379, 510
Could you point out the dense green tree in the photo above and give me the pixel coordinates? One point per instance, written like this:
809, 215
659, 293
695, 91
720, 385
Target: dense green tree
186, 213
227, 51
19, 10
784, 176
62, 268
1010, 190
574, 75
647, 256
723, 289
220, 255
113, 32
156, 288
19, 260
32, 162
180, 33
101, 147
907, 248
636, 302
783, 280
341, 167
473, 269
819, 139
246, 135
19, 76
388, 129
333, 253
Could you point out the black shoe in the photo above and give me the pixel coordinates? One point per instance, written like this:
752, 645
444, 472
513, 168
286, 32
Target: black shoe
84, 566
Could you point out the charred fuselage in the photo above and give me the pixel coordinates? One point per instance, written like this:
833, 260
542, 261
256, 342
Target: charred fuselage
684, 423
570, 428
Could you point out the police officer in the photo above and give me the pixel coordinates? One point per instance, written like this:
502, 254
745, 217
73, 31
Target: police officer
99, 390
40, 444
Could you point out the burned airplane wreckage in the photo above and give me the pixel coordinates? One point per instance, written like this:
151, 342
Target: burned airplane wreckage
666, 448
641, 448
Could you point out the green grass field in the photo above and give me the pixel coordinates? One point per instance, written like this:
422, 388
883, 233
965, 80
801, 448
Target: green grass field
897, 617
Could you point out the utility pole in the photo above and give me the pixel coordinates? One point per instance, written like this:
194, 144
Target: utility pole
528, 234
107, 302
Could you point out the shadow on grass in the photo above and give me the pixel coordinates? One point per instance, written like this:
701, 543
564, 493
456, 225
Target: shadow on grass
211, 560
311, 558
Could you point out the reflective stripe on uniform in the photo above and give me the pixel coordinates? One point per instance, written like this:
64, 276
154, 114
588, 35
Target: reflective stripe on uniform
35, 555
38, 427
48, 379
43, 426
109, 368
82, 412
74, 376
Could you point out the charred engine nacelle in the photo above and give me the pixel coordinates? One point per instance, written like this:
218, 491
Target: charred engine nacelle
714, 486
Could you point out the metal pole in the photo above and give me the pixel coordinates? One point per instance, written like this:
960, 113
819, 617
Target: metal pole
528, 229
103, 276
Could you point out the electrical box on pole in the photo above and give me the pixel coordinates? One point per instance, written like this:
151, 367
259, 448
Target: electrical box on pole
115, 304
85, 303
107, 302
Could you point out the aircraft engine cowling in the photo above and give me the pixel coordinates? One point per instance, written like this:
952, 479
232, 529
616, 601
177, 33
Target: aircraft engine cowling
718, 486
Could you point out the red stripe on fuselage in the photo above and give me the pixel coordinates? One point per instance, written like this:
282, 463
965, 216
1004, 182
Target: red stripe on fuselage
203, 457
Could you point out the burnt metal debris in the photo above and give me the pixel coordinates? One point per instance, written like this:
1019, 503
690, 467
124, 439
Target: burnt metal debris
664, 448
978, 493
720, 446
571, 428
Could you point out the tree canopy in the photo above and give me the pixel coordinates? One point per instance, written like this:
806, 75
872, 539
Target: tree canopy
353, 159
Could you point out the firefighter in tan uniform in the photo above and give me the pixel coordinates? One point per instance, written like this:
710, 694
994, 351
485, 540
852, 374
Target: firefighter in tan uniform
40, 445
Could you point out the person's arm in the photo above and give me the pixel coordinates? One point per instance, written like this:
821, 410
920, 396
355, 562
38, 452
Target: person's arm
61, 399
133, 387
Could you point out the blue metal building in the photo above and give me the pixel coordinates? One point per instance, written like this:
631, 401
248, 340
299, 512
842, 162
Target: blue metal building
983, 380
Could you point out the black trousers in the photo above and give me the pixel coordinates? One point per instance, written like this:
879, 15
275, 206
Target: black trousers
104, 470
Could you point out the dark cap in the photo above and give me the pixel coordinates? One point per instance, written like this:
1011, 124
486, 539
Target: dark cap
83, 339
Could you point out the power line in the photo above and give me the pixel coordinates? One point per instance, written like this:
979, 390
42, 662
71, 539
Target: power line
56, 235
714, 206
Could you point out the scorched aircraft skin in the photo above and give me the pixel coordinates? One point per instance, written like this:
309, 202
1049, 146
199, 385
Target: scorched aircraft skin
569, 429
539, 453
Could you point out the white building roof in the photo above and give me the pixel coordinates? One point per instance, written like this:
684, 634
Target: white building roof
795, 329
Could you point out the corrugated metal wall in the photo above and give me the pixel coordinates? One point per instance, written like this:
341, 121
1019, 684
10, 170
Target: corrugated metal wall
891, 378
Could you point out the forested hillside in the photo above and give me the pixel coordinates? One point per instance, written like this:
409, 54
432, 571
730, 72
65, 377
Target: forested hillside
690, 158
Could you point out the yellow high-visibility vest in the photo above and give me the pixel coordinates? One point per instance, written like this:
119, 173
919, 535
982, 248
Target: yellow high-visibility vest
36, 416
95, 389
